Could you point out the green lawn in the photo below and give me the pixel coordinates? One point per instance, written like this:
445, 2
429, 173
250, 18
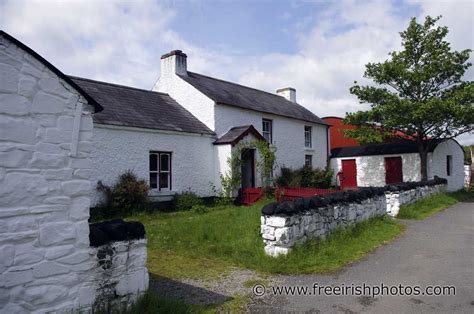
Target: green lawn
190, 245
429, 206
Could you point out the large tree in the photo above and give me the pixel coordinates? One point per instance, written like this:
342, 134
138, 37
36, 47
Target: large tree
418, 92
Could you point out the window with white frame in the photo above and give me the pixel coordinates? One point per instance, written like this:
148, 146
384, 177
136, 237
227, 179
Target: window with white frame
267, 130
307, 137
160, 171
308, 160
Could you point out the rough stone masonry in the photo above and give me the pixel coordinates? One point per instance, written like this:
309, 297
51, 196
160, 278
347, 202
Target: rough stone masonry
292, 222
46, 262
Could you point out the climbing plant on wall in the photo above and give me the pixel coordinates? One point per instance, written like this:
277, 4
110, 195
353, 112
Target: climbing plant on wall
230, 181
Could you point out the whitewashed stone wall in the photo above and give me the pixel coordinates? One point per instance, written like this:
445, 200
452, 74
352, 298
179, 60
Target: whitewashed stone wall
396, 199
288, 135
371, 169
118, 149
45, 142
281, 233
437, 164
467, 176
118, 275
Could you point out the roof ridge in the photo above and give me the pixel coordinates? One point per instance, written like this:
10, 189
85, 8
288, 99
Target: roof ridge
245, 86
115, 84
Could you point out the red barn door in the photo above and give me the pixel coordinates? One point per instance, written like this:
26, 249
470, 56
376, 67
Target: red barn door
393, 170
349, 171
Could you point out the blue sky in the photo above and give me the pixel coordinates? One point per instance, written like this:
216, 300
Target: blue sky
317, 47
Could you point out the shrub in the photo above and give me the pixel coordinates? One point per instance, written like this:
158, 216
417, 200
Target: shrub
305, 177
127, 195
199, 209
186, 201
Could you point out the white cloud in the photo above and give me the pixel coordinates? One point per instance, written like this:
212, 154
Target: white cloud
116, 41
122, 41
329, 60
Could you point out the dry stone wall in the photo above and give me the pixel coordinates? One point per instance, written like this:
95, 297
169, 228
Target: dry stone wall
395, 199
289, 223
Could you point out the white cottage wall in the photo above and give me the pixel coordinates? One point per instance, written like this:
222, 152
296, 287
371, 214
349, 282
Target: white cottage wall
437, 164
185, 94
371, 169
288, 135
44, 186
117, 149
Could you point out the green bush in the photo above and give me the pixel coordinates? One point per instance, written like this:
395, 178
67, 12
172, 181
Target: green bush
129, 194
186, 201
199, 209
305, 177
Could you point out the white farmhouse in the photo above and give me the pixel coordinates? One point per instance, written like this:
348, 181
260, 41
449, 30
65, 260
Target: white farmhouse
180, 136
381, 164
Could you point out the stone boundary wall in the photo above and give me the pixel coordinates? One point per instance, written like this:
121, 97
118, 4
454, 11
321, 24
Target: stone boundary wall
118, 275
467, 176
289, 223
395, 199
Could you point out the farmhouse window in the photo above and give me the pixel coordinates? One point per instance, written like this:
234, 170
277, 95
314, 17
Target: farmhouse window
307, 137
449, 164
308, 160
267, 130
160, 171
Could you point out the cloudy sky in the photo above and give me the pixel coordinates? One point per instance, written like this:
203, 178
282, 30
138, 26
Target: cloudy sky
318, 47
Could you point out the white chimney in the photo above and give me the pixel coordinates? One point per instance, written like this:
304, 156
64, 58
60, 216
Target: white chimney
288, 92
174, 62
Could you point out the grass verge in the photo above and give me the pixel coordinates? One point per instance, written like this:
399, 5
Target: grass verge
150, 303
190, 245
431, 205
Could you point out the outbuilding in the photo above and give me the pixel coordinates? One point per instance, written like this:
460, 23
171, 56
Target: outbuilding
389, 163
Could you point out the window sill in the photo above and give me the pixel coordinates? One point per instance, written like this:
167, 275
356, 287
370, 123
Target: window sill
161, 193
309, 149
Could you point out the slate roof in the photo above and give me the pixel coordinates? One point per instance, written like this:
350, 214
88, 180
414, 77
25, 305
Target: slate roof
402, 147
133, 107
237, 133
52, 68
228, 93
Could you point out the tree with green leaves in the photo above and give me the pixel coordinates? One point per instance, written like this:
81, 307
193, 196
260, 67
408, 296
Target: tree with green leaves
418, 92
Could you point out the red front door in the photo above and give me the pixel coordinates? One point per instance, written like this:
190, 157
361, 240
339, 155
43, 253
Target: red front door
349, 172
393, 170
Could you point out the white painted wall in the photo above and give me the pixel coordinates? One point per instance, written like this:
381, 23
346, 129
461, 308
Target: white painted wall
371, 169
437, 164
288, 135
117, 149
44, 187
184, 93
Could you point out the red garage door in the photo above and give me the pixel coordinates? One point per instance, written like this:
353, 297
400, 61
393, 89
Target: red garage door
349, 171
393, 170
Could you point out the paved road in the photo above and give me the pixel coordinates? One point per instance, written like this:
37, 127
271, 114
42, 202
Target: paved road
436, 251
